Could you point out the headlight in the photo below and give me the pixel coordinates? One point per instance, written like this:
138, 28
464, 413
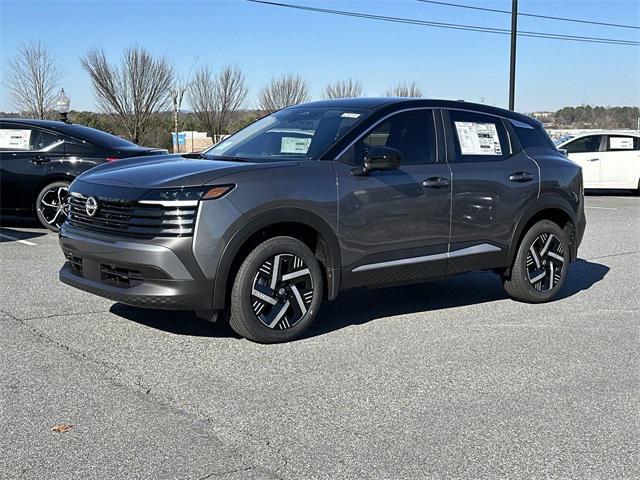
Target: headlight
184, 197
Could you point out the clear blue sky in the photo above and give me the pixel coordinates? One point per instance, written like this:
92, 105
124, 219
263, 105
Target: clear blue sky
266, 41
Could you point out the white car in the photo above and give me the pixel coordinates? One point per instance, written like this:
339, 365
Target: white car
608, 159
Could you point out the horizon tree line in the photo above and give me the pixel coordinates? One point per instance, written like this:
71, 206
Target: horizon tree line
140, 85
134, 90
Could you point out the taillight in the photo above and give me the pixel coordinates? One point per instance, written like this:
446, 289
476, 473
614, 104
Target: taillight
112, 159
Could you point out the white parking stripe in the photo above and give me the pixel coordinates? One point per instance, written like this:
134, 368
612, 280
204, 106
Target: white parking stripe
601, 208
24, 242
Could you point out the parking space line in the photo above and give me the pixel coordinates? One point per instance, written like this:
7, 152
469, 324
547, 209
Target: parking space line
13, 239
601, 208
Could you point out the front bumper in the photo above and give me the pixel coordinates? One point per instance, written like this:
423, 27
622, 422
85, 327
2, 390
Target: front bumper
141, 274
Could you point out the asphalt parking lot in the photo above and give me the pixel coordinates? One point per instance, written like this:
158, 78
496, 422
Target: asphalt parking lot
448, 379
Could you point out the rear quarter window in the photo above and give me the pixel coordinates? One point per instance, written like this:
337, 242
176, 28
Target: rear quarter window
530, 136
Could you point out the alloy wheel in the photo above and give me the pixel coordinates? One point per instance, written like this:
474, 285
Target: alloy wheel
545, 262
54, 206
282, 291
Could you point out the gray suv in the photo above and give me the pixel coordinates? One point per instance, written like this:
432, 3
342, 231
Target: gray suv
325, 196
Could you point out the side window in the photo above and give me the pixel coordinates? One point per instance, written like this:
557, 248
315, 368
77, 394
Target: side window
15, 138
42, 140
590, 143
412, 133
621, 144
530, 136
478, 137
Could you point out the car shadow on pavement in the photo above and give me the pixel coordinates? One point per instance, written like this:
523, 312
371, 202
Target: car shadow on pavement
363, 305
172, 321
11, 235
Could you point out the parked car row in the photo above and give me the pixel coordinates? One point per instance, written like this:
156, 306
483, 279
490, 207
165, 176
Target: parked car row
40, 158
609, 160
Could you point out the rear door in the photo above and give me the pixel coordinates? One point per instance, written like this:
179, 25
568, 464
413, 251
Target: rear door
620, 164
492, 182
27, 155
587, 152
394, 225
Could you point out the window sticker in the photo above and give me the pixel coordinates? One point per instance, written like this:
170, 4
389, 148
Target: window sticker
13, 139
478, 138
350, 115
296, 145
621, 143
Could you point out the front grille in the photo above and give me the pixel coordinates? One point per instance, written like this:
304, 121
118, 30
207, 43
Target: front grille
75, 262
131, 218
120, 277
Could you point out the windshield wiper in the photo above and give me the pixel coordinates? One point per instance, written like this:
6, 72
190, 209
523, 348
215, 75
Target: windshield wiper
225, 159
197, 155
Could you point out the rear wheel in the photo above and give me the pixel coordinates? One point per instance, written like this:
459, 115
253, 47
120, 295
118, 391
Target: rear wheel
540, 266
277, 291
52, 206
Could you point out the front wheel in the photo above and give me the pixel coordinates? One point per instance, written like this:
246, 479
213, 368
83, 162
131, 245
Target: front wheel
52, 206
277, 291
540, 266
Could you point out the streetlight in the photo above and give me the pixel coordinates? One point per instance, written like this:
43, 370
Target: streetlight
63, 103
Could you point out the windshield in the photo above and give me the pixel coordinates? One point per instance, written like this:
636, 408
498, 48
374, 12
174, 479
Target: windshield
301, 133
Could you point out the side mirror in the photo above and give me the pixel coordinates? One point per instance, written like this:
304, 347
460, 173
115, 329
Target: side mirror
564, 152
382, 158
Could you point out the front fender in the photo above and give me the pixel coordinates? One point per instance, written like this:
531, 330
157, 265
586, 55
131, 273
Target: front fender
268, 218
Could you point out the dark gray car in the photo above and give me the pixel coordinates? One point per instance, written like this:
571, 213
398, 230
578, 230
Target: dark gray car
325, 196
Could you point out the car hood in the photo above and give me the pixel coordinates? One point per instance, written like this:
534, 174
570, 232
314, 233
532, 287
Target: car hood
166, 171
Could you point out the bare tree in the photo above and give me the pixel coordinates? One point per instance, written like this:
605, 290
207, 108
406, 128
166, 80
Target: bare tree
404, 89
177, 91
133, 91
216, 97
32, 79
283, 92
348, 88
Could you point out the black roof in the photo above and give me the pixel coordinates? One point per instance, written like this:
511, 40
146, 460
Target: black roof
377, 103
51, 124
82, 132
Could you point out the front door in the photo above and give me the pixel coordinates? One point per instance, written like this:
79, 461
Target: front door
394, 225
586, 152
491, 185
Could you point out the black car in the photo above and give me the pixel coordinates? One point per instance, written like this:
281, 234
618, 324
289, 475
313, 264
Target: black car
325, 196
40, 158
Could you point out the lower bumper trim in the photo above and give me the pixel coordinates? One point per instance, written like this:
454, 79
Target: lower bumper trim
161, 294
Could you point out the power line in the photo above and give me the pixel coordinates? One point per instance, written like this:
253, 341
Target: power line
453, 26
547, 17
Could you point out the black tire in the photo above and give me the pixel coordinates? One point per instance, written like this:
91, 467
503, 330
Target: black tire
533, 259
51, 205
277, 270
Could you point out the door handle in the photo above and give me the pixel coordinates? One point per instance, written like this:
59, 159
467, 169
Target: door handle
521, 177
40, 159
435, 182
593, 160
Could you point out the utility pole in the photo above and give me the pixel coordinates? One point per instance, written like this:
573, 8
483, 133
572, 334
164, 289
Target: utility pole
512, 69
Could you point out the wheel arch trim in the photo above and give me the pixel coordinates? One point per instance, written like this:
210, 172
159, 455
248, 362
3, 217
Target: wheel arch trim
535, 208
271, 218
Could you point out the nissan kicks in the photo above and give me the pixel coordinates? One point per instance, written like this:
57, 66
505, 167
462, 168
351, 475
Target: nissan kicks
316, 198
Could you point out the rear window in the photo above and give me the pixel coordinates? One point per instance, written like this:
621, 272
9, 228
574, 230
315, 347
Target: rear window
530, 136
620, 143
97, 137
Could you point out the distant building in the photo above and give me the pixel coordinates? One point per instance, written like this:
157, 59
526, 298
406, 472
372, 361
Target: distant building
191, 141
543, 116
